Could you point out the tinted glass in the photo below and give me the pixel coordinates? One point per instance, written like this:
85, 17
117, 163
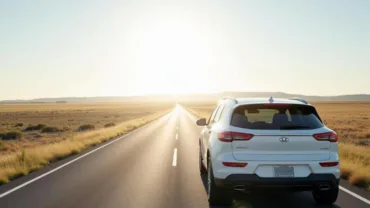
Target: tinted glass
276, 116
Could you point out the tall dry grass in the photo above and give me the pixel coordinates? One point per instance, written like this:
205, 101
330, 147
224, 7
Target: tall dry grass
349, 120
26, 160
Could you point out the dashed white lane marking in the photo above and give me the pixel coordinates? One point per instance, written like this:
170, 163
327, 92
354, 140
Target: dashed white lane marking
354, 195
174, 161
177, 137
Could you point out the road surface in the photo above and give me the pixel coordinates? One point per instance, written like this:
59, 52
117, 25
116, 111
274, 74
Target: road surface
155, 166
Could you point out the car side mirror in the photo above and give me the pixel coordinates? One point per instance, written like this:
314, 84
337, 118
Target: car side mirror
202, 122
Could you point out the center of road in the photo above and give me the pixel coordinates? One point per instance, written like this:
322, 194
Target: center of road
174, 161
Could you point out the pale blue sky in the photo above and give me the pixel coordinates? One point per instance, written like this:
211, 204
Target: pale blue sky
96, 48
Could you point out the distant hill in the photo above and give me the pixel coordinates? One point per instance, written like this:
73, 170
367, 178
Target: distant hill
191, 97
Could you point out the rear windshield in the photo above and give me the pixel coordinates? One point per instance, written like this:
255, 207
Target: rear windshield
276, 116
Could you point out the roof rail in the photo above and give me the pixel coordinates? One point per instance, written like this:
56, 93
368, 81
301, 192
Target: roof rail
230, 98
300, 100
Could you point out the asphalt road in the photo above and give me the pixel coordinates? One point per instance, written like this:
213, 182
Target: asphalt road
149, 168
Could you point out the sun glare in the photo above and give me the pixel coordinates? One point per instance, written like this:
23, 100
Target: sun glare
169, 56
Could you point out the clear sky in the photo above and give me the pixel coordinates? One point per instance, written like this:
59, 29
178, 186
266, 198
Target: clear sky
109, 48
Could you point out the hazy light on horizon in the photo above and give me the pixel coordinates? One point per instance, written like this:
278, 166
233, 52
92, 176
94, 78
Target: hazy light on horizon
91, 48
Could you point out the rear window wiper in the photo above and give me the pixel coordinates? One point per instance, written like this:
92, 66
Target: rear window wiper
295, 127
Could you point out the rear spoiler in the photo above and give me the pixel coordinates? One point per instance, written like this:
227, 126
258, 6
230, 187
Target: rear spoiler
299, 99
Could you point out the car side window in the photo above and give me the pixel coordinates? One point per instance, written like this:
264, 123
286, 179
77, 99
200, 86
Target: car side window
210, 121
223, 112
219, 112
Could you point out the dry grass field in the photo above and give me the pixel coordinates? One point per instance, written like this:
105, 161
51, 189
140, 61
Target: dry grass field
351, 120
32, 135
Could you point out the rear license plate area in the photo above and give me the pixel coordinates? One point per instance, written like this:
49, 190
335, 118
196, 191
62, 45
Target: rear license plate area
284, 171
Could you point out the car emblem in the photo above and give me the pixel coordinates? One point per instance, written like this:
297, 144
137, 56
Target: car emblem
284, 139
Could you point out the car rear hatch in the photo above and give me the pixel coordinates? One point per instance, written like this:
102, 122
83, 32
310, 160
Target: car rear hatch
278, 133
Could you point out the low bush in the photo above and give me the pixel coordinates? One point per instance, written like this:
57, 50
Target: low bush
18, 125
35, 127
86, 127
11, 135
109, 124
51, 129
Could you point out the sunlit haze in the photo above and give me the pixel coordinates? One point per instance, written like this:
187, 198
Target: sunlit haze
94, 48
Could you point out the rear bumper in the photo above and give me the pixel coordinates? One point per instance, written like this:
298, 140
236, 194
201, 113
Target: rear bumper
253, 181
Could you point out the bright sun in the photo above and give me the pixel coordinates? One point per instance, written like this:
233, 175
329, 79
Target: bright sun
171, 57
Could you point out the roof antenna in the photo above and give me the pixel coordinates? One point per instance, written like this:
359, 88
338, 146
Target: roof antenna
271, 99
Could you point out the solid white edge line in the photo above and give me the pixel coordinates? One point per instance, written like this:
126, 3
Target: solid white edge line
354, 195
72, 161
340, 187
174, 161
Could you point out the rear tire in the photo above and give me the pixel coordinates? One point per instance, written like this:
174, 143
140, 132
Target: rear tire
202, 168
326, 197
216, 195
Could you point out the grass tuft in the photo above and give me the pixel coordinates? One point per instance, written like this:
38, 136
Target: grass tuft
110, 124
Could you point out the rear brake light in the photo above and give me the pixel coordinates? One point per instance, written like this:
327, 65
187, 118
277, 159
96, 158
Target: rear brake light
276, 104
329, 136
229, 136
329, 164
234, 164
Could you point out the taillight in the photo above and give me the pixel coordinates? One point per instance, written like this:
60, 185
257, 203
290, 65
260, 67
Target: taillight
329, 164
234, 164
329, 136
229, 136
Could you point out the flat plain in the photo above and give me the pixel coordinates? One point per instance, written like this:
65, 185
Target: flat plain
33, 135
351, 121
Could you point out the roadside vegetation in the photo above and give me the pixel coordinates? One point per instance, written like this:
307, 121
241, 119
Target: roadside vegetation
50, 132
351, 121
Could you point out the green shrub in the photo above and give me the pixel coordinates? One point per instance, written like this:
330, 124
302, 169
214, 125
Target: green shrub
51, 129
35, 128
109, 124
86, 127
11, 135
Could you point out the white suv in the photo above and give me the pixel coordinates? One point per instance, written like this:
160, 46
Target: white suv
255, 143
